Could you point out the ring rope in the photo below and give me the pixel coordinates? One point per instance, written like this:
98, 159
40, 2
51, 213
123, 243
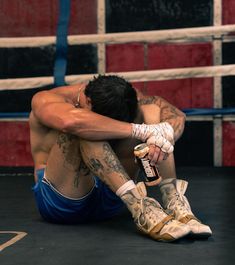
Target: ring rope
122, 37
188, 112
60, 62
134, 76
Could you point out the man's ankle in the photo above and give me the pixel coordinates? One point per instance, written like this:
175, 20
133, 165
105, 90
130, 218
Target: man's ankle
129, 185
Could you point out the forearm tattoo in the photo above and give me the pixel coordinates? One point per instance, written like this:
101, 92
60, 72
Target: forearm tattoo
168, 113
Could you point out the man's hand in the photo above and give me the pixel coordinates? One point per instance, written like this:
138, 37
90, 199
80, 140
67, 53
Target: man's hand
156, 155
159, 137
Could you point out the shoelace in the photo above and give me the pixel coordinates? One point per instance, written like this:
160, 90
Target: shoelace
152, 209
181, 203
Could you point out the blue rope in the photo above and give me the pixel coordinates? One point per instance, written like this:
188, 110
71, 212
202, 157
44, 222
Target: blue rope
14, 115
60, 64
215, 111
188, 112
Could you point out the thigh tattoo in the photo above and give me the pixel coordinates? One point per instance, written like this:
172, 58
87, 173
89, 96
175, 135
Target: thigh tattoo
69, 148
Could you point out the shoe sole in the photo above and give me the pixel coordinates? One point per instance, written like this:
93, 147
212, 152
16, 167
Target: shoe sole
200, 236
141, 231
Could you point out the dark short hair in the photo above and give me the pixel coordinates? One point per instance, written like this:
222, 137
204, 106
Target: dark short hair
112, 96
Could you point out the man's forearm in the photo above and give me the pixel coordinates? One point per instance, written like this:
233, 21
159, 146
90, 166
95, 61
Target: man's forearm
91, 126
176, 121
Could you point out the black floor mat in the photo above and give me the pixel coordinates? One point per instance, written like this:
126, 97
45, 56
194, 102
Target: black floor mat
116, 241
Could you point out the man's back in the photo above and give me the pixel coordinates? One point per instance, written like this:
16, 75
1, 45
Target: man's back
42, 139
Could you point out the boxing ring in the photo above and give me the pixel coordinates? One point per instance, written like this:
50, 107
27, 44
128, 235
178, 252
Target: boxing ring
216, 35
52, 244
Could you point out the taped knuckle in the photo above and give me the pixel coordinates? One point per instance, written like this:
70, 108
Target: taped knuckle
162, 143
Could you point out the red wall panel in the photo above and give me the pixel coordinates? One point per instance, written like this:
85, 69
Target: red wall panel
184, 93
20, 18
228, 11
27, 18
14, 144
124, 57
162, 56
228, 144
83, 18
202, 93
177, 92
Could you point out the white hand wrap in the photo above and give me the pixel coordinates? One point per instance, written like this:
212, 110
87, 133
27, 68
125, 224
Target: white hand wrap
161, 135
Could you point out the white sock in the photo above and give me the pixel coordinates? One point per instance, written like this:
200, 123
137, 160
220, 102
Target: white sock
129, 185
166, 181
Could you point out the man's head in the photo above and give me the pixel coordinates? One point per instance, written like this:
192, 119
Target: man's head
112, 96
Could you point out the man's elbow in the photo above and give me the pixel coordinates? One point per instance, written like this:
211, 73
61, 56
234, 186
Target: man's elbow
68, 126
181, 126
183, 118
72, 125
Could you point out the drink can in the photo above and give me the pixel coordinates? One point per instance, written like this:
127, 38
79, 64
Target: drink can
151, 173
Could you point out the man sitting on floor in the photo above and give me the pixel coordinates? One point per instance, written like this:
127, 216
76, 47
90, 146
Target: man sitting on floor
82, 139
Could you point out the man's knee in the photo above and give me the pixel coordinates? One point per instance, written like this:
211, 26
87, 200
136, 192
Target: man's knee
91, 145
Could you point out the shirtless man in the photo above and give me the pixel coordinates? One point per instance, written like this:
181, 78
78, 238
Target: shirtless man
82, 139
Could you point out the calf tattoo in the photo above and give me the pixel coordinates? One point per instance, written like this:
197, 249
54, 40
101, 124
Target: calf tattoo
96, 165
104, 164
113, 163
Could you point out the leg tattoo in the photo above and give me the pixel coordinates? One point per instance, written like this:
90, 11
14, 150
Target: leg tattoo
113, 162
104, 163
69, 149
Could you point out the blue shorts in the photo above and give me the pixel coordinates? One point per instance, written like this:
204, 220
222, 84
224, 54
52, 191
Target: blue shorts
99, 204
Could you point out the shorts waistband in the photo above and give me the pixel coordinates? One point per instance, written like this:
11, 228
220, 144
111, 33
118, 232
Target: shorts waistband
41, 173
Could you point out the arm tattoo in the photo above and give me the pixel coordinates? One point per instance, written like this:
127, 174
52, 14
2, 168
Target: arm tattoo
168, 113
146, 101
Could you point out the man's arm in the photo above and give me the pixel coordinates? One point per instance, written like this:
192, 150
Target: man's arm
55, 111
168, 113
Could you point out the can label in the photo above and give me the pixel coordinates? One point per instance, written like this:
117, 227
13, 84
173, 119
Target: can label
147, 167
150, 172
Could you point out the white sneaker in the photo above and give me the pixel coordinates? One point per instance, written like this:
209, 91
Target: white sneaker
150, 218
176, 203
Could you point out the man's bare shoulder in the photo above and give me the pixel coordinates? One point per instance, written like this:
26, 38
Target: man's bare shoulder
66, 93
68, 90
